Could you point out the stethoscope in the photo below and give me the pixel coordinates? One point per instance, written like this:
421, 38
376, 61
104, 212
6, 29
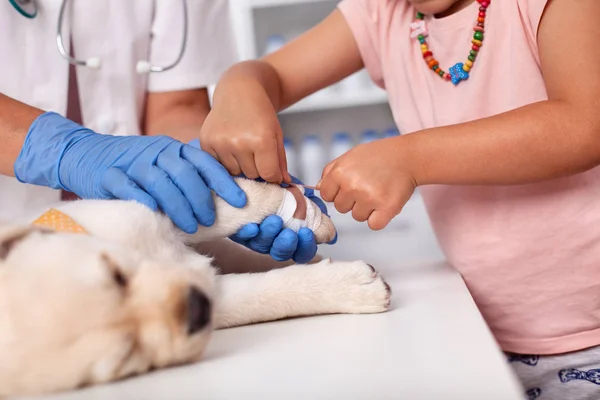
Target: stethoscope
29, 9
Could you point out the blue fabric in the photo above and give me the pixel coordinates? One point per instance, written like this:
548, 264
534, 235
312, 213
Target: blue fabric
157, 171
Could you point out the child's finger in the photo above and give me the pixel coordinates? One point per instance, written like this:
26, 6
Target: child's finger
327, 169
379, 219
283, 160
361, 212
229, 161
267, 164
344, 201
329, 189
247, 165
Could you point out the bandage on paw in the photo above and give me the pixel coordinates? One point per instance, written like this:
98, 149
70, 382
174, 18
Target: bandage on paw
297, 211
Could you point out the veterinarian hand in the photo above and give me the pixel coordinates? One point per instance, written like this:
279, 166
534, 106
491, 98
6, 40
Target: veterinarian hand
157, 171
372, 180
270, 237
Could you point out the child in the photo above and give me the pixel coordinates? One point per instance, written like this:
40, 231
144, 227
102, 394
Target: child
501, 102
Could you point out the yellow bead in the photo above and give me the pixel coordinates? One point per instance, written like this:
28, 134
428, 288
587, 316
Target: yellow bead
424, 47
466, 68
476, 42
469, 63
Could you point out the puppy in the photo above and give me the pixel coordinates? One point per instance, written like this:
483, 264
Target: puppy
127, 292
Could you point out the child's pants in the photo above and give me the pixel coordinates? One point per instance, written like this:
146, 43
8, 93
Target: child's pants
571, 376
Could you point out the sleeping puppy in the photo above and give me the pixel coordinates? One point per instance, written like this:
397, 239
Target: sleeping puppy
124, 291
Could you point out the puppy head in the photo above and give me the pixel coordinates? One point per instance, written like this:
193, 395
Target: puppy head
75, 310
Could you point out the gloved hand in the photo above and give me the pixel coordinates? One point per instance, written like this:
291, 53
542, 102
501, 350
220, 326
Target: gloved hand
157, 171
270, 237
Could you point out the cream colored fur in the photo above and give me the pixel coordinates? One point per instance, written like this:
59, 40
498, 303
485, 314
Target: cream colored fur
78, 310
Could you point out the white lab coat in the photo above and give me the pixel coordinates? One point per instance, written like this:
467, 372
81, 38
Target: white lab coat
120, 33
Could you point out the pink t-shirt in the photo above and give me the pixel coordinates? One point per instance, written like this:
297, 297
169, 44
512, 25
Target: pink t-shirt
529, 254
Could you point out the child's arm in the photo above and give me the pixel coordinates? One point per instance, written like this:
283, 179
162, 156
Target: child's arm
540, 141
549, 139
242, 130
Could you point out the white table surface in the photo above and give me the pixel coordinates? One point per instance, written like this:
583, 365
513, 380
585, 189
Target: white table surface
433, 344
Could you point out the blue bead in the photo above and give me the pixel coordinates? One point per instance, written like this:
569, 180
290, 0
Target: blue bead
458, 74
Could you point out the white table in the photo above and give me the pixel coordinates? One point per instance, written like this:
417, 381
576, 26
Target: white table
433, 344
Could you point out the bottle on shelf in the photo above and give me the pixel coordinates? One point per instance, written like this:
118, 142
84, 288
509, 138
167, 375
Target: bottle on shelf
274, 43
391, 132
370, 135
340, 144
312, 160
291, 156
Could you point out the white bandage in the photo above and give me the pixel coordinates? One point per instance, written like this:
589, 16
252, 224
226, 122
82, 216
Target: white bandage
288, 206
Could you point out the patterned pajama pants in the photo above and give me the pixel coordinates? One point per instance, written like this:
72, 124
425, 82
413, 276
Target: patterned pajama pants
571, 376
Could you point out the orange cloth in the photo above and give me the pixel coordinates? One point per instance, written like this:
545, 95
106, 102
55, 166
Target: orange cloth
59, 222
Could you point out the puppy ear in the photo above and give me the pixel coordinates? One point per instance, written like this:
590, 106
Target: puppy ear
11, 234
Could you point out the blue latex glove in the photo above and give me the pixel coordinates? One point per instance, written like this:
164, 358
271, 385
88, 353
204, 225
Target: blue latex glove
157, 171
270, 237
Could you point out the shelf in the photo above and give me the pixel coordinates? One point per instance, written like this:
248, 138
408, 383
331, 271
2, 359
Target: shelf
277, 3
322, 101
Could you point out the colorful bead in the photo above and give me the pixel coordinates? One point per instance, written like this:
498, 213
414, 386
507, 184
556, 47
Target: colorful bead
460, 71
458, 74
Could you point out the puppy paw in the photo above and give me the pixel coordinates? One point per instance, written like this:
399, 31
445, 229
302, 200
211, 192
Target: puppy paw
355, 287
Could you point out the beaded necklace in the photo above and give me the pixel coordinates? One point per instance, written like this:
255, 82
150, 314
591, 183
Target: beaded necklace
460, 71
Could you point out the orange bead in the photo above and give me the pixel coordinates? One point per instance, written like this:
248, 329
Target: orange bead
480, 19
431, 63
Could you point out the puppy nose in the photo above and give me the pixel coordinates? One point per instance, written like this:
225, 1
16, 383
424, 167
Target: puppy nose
198, 310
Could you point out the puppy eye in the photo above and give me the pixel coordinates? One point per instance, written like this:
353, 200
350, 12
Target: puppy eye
116, 273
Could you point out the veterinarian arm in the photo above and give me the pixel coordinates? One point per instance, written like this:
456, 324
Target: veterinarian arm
242, 131
178, 114
49, 150
15, 120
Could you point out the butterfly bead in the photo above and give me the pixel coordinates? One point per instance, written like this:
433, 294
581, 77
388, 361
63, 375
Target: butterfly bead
458, 74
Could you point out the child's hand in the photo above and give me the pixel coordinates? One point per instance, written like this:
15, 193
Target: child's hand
242, 132
372, 180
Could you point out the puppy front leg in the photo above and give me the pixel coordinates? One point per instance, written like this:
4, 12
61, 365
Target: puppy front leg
263, 200
300, 290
